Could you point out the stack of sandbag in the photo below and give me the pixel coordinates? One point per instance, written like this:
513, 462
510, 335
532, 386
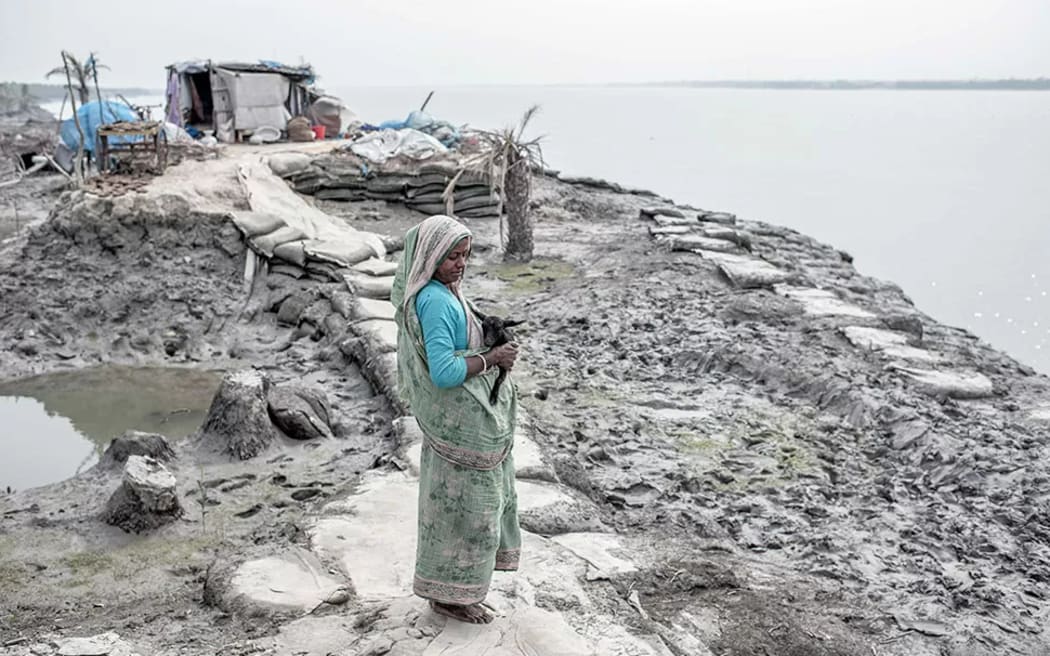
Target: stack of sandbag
370, 320
344, 178
295, 236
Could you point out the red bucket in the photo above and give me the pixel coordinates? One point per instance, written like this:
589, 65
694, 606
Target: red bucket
318, 131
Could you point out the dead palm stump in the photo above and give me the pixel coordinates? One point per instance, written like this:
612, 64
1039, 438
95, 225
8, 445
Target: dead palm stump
238, 420
517, 188
146, 499
136, 443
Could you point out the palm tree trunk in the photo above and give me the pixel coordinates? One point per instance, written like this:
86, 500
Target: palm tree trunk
519, 224
85, 91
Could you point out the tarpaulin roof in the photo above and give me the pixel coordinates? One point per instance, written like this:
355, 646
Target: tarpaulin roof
262, 66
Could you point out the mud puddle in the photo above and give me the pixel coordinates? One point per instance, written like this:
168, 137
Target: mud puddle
57, 425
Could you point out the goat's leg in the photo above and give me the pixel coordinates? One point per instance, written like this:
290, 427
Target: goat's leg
494, 396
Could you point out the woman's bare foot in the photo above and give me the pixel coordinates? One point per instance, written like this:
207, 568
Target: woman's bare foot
472, 614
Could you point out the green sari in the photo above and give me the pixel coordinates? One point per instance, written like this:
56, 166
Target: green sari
468, 516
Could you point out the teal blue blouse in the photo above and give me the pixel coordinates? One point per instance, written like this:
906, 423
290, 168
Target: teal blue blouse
444, 326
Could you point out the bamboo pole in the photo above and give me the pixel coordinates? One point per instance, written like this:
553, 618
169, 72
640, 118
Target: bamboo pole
98, 94
427, 101
78, 165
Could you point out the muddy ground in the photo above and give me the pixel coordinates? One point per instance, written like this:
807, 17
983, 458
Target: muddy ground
790, 493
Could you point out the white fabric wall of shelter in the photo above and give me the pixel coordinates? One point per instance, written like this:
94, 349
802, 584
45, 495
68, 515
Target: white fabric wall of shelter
258, 99
185, 99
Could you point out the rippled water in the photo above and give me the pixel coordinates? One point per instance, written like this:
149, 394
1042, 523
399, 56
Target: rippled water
57, 425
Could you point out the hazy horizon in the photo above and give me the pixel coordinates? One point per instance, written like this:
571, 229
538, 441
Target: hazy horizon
472, 43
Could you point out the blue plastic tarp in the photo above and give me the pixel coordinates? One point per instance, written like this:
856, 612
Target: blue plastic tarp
91, 116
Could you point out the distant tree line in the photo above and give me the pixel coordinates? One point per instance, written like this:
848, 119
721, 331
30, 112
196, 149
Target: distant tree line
51, 92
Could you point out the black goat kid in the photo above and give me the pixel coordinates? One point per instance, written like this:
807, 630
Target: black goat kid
494, 333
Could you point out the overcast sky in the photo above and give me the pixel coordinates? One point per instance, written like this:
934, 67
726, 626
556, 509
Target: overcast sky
410, 42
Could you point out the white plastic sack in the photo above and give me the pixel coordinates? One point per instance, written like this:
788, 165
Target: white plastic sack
376, 267
286, 164
380, 335
361, 284
175, 134
364, 309
346, 250
380, 146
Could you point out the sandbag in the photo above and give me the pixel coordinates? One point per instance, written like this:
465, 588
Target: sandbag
428, 208
344, 252
390, 196
429, 197
354, 181
376, 267
381, 370
430, 180
475, 203
361, 284
265, 244
699, 242
324, 271
746, 272
287, 270
725, 218
256, 223
291, 252
658, 230
389, 183
463, 193
340, 194
425, 190
343, 303
288, 164
365, 309
481, 212
951, 384
380, 335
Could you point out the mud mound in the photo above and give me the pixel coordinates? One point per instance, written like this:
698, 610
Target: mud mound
103, 278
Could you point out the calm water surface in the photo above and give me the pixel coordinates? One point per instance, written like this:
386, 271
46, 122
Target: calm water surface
57, 425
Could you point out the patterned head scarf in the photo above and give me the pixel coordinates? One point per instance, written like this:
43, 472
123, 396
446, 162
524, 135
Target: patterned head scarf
426, 246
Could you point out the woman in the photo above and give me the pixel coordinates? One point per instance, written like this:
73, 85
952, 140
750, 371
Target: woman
468, 515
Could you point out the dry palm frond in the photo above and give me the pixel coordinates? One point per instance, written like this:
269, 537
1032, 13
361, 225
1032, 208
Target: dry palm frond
502, 151
83, 72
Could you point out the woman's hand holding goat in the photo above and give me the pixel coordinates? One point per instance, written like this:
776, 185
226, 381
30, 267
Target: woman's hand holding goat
502, 356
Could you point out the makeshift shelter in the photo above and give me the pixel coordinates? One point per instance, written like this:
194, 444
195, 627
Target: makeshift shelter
236, 99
